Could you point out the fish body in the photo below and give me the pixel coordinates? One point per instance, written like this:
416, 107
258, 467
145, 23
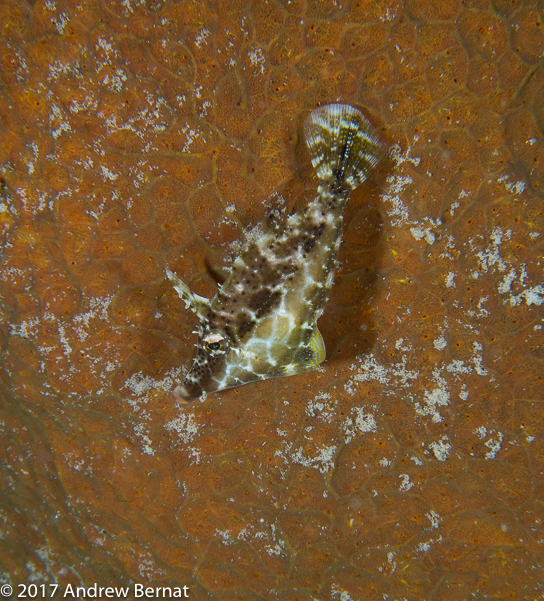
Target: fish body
262, 323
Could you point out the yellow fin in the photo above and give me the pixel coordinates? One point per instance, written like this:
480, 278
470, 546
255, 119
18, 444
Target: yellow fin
309, 357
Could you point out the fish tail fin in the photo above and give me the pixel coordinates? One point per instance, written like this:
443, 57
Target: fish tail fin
343, 144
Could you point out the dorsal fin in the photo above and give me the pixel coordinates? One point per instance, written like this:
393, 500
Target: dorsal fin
197, 304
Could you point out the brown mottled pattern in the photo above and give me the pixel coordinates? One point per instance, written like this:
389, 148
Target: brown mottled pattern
139, 135
278, 286
259, 274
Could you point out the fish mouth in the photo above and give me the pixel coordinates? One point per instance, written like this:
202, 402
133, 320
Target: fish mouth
187, 393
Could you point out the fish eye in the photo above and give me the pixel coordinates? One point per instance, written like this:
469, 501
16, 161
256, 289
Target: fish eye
215, 344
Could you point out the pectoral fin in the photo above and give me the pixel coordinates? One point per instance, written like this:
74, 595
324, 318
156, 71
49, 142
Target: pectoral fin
309, 356
197, 304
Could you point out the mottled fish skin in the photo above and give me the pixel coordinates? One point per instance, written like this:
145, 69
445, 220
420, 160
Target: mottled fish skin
262, 323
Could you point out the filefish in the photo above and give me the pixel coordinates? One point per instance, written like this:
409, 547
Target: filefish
262, 323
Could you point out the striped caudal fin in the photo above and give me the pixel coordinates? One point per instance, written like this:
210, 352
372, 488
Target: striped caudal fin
343, 144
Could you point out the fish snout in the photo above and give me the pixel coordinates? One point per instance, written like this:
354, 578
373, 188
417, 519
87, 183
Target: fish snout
187, 392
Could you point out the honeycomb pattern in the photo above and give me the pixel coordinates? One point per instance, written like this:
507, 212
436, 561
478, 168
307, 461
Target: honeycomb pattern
144, 134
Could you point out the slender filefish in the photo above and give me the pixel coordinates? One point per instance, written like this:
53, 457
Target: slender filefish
262, 323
